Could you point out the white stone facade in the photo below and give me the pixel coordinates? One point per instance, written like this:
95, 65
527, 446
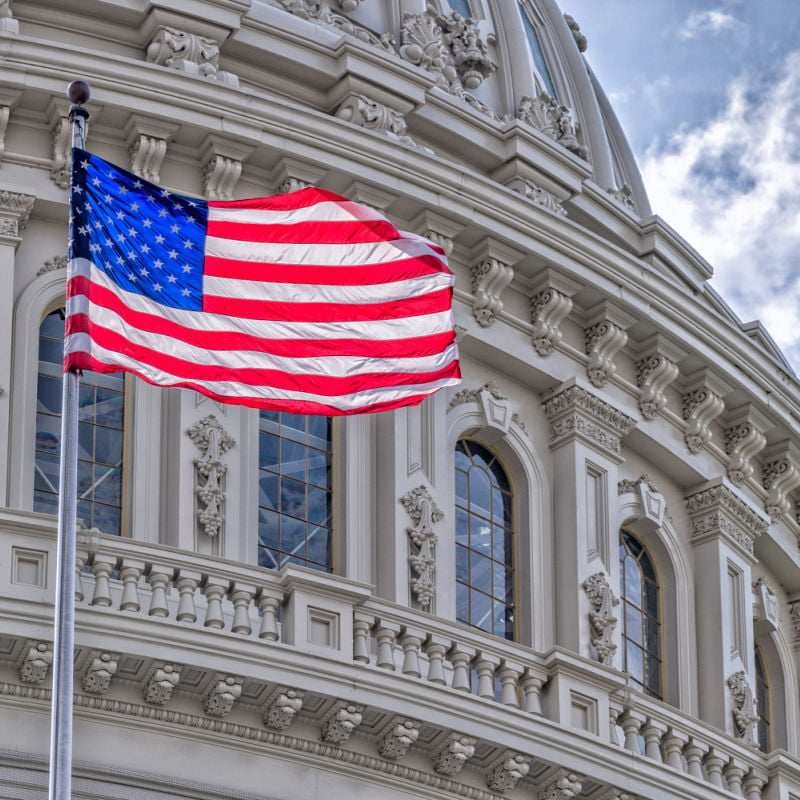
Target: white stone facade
614, 385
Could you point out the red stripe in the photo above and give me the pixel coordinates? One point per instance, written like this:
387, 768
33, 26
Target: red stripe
360, 275
329, 312
215, 340
283, 202
334, 232
86, 362
313, 384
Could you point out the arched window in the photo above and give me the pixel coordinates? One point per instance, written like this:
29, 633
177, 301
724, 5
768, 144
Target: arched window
100, 435
762, 702
641, 616
294, 491
535, 48
484, 541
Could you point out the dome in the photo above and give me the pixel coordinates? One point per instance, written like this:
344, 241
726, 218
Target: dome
574, 575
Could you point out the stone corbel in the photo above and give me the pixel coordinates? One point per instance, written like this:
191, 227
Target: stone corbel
656, 369
213, 441
371, 196
8, 102
424, 515
348, 6
99, 670
563, 785
492, 271
60, 142
160, 682
794, 616
551, 302
745, 437
8, 24
601, 616
222, 695
508, 771
292, 175
702, 404
743, 707
368, 113
554, 120
34, 663
188, 52
780, 475
615, 794
15, 210
398, 737
765, 605
222, 162
605, 334
147, 141
437, 228
282, 707
454, 752
538, 195
340, 722
323, 15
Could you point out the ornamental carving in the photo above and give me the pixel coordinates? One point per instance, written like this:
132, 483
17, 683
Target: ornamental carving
5, 116
222, 696
188, 52
554, 120
453, 753
603, 341
794, 616
367, 113
765, 604
780, 477
212, 440
700, 408
470, 53
489, 278
160, 682
743, 704
541, 197
15, 209
98, 673
601, 616
742, 442
653, 374
508, 772
35, 662
7, 21
548, 310
424, 514
580, 40
494, 405
147, 154
341, 721
282, 707
54, 263
400, 735
61, 141
220, 176
563, 785
624, 196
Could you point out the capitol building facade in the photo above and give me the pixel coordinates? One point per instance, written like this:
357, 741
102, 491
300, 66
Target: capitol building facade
575, 575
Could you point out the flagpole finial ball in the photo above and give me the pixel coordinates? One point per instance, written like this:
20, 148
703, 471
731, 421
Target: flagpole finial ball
79, 92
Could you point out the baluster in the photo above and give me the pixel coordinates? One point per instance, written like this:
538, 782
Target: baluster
159, 577
187, 584
386, 634
241, 597
652, 732
694, 753
435, 649
214, 590
268, 605
411, 641
631, 723
461, 656
102, 567
734, 772
714, 764
532, 683
81, 557
509, 675
674, 742
130, 572
754, 784
615, 709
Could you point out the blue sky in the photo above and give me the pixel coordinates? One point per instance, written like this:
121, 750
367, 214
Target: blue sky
709, 95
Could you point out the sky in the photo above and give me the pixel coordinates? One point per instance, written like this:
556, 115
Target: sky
708, 93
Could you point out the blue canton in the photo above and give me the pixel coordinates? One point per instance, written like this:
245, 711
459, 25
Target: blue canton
148, 240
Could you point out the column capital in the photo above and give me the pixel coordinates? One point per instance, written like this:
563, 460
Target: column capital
15, 209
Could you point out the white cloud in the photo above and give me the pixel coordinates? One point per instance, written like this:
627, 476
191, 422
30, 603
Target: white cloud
714, 21
731, 188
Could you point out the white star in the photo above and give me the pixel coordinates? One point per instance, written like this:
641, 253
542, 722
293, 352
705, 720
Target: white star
132, 277
137, 185
158, 287
190, 219
84, 230
158, 263
172, 278
188, 243
120, 215
96, 181
84, 164
187, 268
165, 193
175, 228
131, 255
162, 212
160, 239
173, 254
185, 292
134, 206
108, 198
77, 189
123, 190
109, 243
193, 204
121, 237
109, 265
147, 223
98, 225
144, 272
132, 231
120, 260
145, 248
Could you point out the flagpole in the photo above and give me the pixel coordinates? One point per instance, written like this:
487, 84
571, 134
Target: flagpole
60, 787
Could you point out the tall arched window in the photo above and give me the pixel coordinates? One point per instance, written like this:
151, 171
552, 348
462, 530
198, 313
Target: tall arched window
294, 491
762, 702
484, 541
535, 48
641, 616
100, 435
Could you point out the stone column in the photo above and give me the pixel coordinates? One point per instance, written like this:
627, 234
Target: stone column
724, 528
586, 440
15, 208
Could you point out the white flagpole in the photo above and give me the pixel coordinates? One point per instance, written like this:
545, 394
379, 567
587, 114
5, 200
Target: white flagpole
64, 645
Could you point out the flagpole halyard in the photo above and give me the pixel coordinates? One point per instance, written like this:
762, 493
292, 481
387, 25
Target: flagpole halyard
60, 783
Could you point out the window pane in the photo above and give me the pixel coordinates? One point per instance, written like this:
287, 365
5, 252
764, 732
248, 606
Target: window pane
536, 53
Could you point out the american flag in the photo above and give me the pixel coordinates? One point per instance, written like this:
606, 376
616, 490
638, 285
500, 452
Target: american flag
304, 302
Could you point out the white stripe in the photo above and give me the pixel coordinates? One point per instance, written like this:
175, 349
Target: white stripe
314, 293
322, 255
349, 402
380, 330
325, 211
324, 366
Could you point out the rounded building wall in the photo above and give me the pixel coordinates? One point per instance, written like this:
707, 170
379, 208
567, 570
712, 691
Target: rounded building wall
616, 390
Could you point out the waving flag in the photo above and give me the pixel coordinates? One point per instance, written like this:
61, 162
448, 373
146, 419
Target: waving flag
304, 302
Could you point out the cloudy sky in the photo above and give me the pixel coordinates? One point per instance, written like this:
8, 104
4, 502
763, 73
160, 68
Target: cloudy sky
708, 92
